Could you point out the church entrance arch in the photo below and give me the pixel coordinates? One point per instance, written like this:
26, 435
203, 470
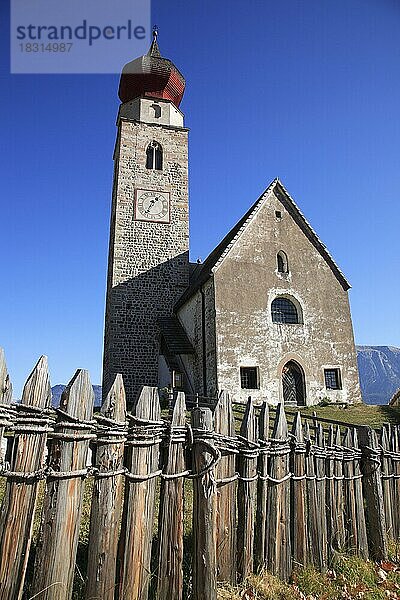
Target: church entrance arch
294, 385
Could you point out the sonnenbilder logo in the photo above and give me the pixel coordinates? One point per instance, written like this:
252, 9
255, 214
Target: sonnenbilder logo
77, 36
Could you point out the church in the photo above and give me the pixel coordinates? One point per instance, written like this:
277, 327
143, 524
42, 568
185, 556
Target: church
266, 314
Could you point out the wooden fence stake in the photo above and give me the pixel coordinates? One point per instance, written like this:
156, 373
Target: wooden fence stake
247, 492
395, 446
138, 518
338, 489
260, 538
5, 383
5, 400
18, 508
320, 472
170, 527
298, 516
372, 492
278, 503
353, 510
224, 424
315, 541
387, 470
106, 507
62, 508
204, 515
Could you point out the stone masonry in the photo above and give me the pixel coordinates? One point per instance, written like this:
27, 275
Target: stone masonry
148, 266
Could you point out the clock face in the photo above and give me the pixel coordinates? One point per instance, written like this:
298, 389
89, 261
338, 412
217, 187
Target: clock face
152, 206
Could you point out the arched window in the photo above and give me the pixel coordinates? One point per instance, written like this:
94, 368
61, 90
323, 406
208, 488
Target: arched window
284, 311
282, 260
154, 156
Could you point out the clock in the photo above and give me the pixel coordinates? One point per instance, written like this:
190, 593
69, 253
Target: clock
152, 206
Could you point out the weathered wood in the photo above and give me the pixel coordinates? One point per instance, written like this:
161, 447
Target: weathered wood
138, 516
298, 515
106, 507
62, 508
353, 510
204, 515
320, 472
332, 515
278, 502
350, 508
362, 541
260, 537
315, 541
18, 508
170, 522
395, 446
247, 465
387, 471
373, 494
5, 383
224, 425
338, 490
5, 400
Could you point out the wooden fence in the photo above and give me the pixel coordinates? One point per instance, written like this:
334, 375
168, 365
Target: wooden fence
266, 493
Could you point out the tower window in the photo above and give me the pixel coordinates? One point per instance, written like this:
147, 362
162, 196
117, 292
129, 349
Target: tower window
282, 261
154, 156
284, 311
157, 110
278, 214
249, 378
333, 380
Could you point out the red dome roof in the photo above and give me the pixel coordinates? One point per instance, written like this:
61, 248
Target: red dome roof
151, 76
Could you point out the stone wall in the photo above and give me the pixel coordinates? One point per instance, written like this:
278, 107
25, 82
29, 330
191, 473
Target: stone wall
247, 281
148, 262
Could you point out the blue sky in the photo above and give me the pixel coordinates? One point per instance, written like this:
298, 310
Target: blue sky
307, 91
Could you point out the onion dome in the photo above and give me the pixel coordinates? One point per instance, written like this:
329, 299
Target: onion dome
151, 76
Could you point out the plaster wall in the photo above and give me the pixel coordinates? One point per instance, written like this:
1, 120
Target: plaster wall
246, 282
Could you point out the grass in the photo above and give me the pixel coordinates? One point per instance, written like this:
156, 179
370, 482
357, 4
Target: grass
349, 577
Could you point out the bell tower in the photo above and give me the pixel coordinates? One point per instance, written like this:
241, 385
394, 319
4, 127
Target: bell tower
148, 265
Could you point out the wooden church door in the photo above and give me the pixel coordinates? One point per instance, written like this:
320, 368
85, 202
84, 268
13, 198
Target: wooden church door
293, 384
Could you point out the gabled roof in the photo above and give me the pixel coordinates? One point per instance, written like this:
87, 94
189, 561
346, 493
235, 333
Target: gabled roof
219, 253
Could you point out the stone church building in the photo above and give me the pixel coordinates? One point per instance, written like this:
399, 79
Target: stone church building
267, 313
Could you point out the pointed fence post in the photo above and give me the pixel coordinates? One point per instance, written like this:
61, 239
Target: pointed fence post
204, 510
338, 489
332, 500
354, 512
298, 515
315, 548
395, 447
170, 522
260, 538
225, 476
372, 492
5, 400
278, 503
247, 491
18, 508
387, 477
106, 507
62, 507
140, 488
362, 540
320, 473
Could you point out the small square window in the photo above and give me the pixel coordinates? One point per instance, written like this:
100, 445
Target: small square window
249, 378
278, 214
333, 380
